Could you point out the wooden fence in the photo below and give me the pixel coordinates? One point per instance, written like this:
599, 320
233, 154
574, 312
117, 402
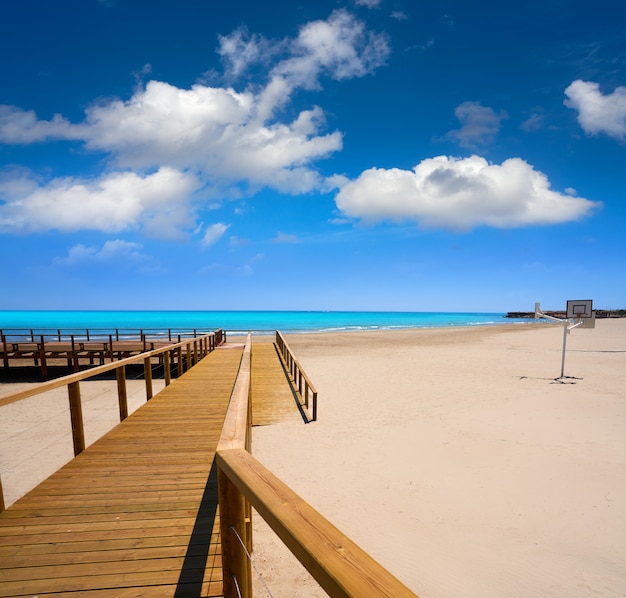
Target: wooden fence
183, 355
342, 568
303, 384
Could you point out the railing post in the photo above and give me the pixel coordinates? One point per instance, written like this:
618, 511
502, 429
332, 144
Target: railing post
122, 399
188, 355
76, 416
179, 353
166, 368
195, 350
236, 569
147, 368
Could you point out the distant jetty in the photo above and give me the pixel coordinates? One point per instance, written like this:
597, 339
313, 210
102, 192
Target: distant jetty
600, 313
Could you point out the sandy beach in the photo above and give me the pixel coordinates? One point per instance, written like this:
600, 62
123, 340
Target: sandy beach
456, 459
452, 456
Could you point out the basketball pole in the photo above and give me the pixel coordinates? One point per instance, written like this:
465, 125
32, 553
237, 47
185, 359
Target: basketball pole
566, 329
565, 333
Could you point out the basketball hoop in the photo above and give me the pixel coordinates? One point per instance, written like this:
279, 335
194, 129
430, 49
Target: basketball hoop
579, 313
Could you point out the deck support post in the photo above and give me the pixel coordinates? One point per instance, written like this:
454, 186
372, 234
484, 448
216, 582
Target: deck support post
75, 355
122, 397
236, 568
5, 353
147, 367
76, 416
166, 368
42, 357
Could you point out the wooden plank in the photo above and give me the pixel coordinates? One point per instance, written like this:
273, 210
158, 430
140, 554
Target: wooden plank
273, 399
134, 513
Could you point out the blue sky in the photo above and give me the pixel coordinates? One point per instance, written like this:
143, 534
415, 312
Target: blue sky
359, 155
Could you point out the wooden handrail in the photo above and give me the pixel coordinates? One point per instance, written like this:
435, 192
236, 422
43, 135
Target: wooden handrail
235, 510
342, 568
299, 376
203, 346
91, 372
60, 334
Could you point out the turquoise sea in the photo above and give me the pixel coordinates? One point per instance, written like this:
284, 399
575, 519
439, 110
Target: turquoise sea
260, 322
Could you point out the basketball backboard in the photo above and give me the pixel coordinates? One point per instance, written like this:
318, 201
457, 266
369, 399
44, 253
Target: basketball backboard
579, 308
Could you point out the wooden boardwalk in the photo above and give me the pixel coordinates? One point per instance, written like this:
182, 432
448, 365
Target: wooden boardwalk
273, 398
136, 513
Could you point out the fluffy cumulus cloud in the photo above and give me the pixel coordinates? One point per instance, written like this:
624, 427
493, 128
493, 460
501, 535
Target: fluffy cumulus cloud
19, 126
339, 47
598, 112
460, 194
115, 202
198, 139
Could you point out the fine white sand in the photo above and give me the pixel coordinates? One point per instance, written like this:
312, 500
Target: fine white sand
451, 455
456, 460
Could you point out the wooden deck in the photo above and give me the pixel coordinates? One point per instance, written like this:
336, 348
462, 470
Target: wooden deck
136, 513
273, 397
84, 349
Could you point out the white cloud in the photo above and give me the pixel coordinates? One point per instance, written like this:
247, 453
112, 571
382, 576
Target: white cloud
204, 140
533, 123
399, 15
460, 194
479, 125
213, 234
598, 113
115, 202
117, 252
340, 47
22, 126
240, 50
368, 3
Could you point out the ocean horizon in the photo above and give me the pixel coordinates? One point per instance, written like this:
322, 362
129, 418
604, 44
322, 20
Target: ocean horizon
258, 322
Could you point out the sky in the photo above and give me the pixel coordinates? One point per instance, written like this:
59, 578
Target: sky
388, 155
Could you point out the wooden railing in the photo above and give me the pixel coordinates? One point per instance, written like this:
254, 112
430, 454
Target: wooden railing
183, 354
303, 385
93, 334
44, 345
340, 567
